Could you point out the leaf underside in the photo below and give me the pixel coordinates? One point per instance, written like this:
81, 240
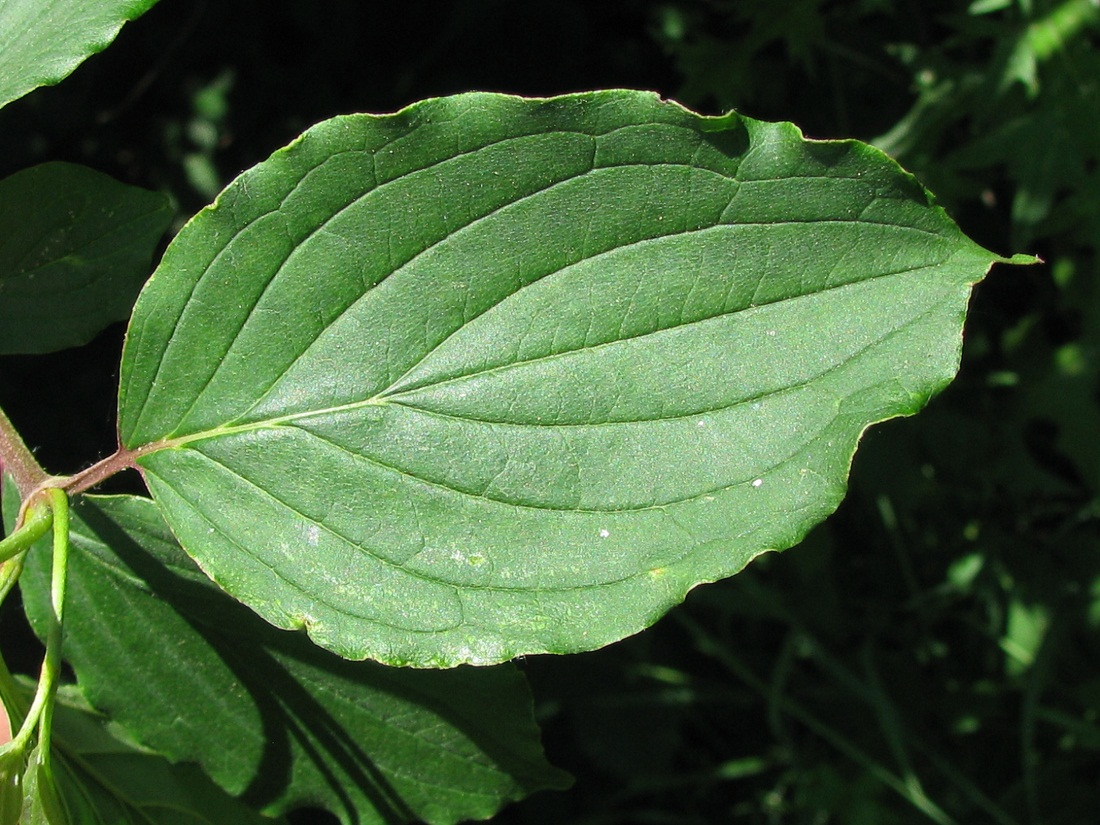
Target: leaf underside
270, 717
495, 376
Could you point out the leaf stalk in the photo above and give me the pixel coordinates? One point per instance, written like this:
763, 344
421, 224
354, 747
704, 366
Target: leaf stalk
17, 459
40, 714
36, 522
100, 471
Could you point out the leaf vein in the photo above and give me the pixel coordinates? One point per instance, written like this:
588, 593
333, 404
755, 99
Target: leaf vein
390, 395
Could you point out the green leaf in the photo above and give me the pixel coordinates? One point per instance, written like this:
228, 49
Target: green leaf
495, 376
196, 676
43, 41
75, 248
41, 803
101, 777
107, 779
12, 766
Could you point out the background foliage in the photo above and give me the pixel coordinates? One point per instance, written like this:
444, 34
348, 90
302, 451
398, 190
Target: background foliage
931, 653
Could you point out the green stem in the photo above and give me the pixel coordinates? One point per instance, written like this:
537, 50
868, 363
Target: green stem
17, 460
10, 571
41, 710
35, 524
59, 502
876, 696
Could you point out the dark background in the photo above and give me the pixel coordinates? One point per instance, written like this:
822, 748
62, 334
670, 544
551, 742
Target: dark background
941, 629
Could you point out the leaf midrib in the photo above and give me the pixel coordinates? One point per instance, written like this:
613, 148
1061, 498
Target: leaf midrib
546, 508
383, 184
385, 397
457, 587
403, 266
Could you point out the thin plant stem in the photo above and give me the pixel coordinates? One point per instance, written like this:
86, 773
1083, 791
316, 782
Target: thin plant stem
102, 470
857, 687
59, 503
743, 672
17, 460
951, 773
10, 571
36, 523
41, 709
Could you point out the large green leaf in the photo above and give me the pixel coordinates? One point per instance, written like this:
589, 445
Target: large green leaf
43, 41
75, 248
196, 676
495, 376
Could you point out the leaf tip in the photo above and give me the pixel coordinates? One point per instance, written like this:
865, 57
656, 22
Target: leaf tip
1020, 259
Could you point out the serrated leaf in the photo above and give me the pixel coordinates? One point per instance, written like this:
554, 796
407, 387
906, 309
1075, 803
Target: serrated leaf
495, 376
196, 676
42, 41
75, 248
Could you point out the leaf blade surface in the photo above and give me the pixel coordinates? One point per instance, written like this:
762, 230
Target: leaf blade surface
75, 248
267, 714
106, 778
496, 376
43, 41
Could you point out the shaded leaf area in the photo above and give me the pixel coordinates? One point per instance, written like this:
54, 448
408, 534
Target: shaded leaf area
42, 799
269, 716
567, 359
105, 778
42, 41
75, 248
99, 776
